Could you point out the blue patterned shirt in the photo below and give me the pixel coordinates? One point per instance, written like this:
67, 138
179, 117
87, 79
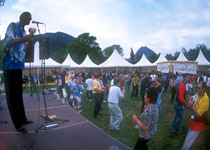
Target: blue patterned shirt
14, 57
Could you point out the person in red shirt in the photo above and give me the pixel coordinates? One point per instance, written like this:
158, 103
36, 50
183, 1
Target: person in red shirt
179, 104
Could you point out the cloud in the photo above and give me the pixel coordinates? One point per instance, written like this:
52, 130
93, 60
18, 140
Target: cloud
163, 26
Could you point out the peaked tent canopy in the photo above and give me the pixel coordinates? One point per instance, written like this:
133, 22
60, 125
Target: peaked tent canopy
161, 58
87, 63
143, 62
202, 60
68, 62
181, 57
51, 63
115, 60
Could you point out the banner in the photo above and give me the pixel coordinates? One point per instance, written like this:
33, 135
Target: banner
163, 67
184, 68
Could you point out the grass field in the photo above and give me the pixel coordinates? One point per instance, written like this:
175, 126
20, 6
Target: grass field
128, 134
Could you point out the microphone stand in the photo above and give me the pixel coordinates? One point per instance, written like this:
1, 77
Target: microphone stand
49, 120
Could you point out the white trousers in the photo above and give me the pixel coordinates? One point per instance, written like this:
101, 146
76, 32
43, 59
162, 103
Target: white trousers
190, 138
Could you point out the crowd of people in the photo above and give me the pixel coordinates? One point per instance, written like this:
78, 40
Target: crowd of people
151, 87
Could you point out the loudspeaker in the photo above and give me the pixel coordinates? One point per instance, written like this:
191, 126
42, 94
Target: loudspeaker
29, 57
44, 52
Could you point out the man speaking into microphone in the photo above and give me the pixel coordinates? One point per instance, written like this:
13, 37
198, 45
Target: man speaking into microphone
15, 43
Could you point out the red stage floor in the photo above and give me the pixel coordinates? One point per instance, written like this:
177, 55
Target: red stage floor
76, 134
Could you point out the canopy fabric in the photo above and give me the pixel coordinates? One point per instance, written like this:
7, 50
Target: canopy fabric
202, 60
181, 57
115, 60
68, 62
51, 63
161, 58
143, 62
87, 63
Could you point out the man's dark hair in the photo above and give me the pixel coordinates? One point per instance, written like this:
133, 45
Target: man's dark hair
116, 81
152, 95
24, 14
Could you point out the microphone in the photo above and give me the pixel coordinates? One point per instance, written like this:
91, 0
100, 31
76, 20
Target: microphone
37, 22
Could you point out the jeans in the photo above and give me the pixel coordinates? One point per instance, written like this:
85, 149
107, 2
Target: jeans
68, 91
127, 85
190, 138
89, 94
116, 116
142, 97
159, 100
178, 117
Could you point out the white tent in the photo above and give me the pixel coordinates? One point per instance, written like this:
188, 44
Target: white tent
87, 63
115, 60
68, 62
202, 60
181, 57
143, 62
51, 63
161, 58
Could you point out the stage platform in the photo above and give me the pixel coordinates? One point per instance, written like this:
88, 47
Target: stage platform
76, 134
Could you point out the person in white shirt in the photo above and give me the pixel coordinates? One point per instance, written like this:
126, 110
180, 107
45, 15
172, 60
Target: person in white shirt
89, 87
153, 75
116, 115
112, 81
71, 84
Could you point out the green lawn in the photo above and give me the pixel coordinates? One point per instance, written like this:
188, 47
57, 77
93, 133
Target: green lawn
128, 134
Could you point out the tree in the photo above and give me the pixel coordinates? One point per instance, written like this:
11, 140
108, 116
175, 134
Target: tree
192, 54
109, 50
153, 57
82, 45
58, 56
172, 57
132, 55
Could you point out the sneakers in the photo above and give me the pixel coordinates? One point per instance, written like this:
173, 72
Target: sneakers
90, 100
104, 101
115, 129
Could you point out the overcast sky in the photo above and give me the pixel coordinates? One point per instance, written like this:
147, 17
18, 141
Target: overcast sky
162, 25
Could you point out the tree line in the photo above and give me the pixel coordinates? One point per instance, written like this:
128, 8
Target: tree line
86, 44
